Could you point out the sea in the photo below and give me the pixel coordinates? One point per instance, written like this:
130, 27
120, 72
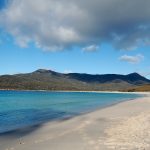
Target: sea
21, 109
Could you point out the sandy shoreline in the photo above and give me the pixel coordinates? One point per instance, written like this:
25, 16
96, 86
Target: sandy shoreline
73, 91
124, 126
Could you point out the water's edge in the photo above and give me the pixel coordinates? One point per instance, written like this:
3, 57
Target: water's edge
138, 95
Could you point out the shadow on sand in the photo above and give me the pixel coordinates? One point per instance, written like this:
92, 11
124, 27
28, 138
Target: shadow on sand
20, 132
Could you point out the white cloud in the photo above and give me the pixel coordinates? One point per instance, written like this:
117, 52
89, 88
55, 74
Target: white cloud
132, 59
145, 73
90, 48
67, 71
57, 25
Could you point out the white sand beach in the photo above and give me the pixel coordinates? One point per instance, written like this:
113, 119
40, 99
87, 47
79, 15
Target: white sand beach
124, 126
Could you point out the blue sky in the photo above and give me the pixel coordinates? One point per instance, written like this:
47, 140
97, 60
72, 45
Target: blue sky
2, 3
23, 51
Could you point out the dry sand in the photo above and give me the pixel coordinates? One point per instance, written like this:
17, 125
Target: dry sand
124, 126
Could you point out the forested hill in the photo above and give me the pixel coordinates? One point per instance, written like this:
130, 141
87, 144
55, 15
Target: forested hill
50, 80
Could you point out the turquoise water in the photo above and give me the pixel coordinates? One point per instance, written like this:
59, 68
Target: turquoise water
20, 109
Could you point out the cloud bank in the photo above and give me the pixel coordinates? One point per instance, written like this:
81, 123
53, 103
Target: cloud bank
57, 25
132, 59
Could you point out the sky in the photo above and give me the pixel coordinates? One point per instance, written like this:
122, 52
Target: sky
84, 36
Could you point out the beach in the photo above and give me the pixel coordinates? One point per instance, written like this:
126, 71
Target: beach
124, 126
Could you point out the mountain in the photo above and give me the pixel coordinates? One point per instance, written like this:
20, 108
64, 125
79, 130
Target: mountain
43, 79
133, 78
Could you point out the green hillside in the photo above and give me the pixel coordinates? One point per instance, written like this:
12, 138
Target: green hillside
50, 80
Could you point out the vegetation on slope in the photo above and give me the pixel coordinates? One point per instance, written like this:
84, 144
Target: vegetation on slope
50, 80
142, 88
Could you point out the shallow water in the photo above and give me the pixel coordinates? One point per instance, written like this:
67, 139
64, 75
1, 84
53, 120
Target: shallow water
20, 109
